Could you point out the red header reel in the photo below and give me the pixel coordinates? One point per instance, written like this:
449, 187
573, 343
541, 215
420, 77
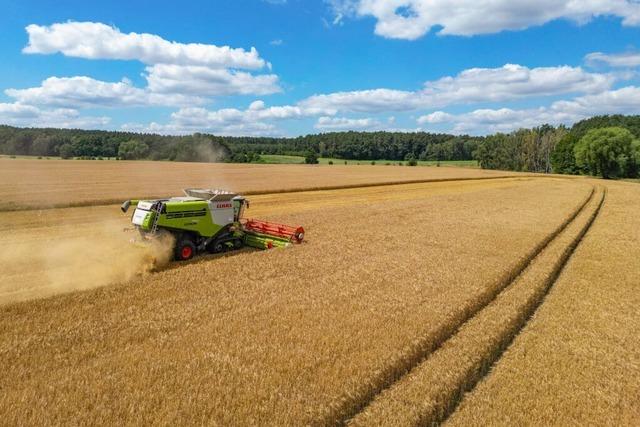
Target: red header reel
293, 234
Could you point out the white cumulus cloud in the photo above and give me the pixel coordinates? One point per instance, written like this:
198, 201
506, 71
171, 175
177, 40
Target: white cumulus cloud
482, 121
626, 59
85, 92
411, 19
255, 120
486, 120
435, 118
95, 40
470, 86
16, 114
177, 74
342, 123
234, 129
625, 100
205, 81
256, 112
478, 85
372, 100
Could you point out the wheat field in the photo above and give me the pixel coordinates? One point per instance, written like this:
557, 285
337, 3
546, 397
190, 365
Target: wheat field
409, 304
58, 250
578, 359
428, 392
39, 184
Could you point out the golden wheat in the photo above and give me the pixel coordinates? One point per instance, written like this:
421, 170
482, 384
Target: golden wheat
37, 184
432, 388
578, 361
292, 336
58, 250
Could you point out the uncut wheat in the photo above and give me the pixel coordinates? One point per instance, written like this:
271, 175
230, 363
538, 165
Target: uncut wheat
282, 337
578, 360
37, 184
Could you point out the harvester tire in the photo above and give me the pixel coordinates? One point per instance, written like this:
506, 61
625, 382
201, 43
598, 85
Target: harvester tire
238, 244
185, 249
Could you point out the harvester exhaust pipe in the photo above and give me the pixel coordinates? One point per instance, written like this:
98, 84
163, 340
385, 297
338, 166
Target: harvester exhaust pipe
125, 206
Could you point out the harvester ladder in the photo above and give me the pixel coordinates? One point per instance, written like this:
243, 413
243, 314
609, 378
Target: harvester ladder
154, 226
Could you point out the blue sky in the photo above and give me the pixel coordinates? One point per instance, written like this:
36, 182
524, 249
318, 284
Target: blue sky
291, 67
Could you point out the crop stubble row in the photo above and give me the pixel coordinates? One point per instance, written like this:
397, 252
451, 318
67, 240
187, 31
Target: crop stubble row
281, 337
427, 394
577, 362
38, 184
57, 250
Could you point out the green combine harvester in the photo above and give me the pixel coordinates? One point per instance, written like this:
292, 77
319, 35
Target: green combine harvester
208, 220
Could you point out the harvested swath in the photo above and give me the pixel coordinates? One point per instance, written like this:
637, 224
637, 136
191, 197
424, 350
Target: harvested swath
578, 360
17, 222
44, 252
272, 337
427, 394
61, 183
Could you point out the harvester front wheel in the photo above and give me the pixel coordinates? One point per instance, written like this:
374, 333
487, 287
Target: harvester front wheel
185, 249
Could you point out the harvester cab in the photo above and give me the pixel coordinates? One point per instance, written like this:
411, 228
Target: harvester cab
208, 220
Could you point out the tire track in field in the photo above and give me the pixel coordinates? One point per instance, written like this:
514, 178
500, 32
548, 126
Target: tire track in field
347, 407
534, 305
432, 390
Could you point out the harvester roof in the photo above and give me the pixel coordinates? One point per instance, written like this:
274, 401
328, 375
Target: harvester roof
210, 194
186, 199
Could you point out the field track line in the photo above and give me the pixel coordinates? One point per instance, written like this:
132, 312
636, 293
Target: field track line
431, 391
108, 202
550, 282
350, 405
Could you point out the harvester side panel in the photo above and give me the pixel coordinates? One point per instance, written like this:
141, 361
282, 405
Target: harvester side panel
189, 216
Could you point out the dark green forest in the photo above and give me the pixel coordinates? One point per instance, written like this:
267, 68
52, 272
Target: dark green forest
202, 147
607, 146
604, 145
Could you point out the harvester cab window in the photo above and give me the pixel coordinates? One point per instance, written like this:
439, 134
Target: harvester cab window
239, 204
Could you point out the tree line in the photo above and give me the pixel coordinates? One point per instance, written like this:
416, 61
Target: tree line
76, 143
364, 145
527, 150
90, 144
603, 145
606, 146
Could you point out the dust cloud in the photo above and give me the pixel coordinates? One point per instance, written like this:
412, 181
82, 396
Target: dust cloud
209, 153
70, 259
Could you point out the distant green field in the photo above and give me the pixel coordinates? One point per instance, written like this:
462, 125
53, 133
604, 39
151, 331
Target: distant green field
7, 156
277, 159
282, 160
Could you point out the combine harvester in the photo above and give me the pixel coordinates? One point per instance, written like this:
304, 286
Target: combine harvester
208, 220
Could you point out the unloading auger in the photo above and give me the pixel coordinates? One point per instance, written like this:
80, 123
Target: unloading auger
208, 220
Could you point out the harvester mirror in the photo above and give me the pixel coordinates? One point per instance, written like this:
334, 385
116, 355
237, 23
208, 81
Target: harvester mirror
125, 206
